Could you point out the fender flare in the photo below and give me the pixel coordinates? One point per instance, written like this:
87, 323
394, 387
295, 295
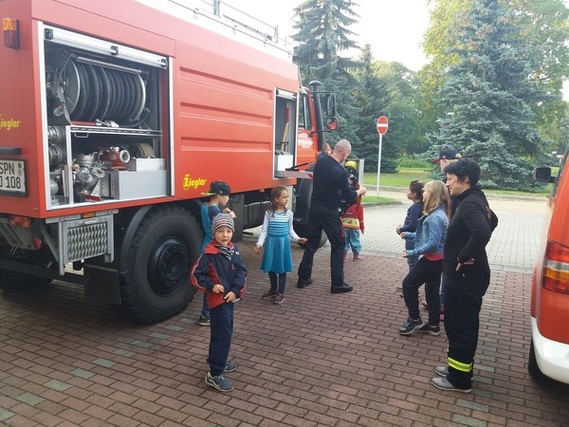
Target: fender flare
131, 228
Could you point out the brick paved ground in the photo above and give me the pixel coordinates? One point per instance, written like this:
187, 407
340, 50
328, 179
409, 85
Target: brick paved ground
317, 360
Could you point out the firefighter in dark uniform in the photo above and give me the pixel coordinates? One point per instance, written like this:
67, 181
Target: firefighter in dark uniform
467, 273
329, 187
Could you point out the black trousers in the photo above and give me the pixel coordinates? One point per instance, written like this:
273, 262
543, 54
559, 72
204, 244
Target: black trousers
322, 218
462, 323
429, 273
221, 324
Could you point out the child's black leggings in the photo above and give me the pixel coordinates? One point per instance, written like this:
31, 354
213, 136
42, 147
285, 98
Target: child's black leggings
281, 284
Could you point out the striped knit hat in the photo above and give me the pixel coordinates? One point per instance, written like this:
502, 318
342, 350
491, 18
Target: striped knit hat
222, 220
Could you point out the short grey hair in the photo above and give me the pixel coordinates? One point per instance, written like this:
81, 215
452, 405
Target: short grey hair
344, 146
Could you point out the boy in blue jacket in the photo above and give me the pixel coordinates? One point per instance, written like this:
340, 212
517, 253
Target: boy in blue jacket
221, 273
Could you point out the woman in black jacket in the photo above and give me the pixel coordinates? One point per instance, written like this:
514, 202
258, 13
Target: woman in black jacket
467, 273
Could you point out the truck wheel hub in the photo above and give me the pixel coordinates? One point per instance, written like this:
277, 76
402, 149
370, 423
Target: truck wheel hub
168, 267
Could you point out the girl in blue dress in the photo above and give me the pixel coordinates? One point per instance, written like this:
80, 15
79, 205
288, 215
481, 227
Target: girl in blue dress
276, 232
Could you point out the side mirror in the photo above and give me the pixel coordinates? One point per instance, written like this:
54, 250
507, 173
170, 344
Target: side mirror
543, 174
331, 104
332, 123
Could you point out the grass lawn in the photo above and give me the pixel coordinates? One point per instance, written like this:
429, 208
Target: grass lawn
401, 179
406, 175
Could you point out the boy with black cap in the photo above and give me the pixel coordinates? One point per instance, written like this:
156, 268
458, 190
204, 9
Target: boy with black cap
218, 193
221, 273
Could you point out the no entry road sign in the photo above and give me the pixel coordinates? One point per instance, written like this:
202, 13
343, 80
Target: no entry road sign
382, 125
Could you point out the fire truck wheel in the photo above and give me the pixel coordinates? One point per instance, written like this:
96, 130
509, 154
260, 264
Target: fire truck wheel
164, 248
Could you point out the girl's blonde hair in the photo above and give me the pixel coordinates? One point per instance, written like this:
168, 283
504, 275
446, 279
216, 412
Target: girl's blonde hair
439, 196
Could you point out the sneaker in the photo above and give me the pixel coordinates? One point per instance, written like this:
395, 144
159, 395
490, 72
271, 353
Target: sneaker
433, 330
203, 320
443, 384
442, 318
345, 256
409, 326
230, 366
219, 382
424, 304
279, 299
441, 370
270, 294
303, 283
358, 257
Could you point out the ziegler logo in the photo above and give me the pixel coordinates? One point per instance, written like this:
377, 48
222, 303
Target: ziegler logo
193, 183
9, 124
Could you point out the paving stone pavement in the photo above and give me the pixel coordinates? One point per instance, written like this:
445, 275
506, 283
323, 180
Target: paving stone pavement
316, 360
514, 243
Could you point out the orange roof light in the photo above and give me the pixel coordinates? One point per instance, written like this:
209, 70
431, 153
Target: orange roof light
11, 29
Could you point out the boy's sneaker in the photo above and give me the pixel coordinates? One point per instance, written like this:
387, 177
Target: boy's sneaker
358, 257
203, 320
219, 382
409, 326
279, 299
230, 366
433, 330
271, 293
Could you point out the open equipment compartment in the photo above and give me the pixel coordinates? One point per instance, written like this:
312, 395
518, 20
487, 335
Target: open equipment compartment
104, 115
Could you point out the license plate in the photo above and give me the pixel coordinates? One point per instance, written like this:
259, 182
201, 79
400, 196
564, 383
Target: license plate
13, 177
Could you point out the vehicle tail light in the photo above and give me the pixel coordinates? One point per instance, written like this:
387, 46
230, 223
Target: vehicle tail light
556, 268
11, 29
20, 221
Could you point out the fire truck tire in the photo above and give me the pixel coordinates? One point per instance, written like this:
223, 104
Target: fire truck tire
165, 246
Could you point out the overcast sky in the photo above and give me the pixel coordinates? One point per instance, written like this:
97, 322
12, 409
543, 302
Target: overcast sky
393, 28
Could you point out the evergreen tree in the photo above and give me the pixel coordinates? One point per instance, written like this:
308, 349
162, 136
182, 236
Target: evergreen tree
542, 26
322, 35
487, 96
372, 97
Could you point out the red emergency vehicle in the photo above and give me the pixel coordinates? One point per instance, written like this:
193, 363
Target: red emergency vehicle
114, 119
549, 346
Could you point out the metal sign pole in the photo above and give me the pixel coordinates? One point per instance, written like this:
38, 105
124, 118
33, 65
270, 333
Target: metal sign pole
379, 163
382, 125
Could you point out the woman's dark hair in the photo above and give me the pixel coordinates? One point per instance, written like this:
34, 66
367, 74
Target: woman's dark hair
465, 168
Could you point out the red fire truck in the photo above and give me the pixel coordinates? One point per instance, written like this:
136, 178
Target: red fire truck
114, 121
